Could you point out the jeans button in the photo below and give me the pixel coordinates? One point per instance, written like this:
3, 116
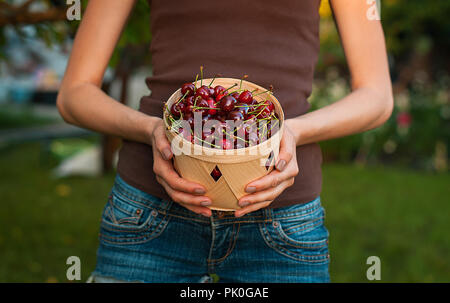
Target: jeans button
275, 224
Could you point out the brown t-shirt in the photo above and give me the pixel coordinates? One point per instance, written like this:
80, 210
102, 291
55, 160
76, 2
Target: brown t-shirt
273, 42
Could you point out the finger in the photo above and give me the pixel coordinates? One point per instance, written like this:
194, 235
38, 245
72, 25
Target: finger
250, 208
165, 170
265, 195
287, 150
273, 179
201, 210
162, 144
181, 197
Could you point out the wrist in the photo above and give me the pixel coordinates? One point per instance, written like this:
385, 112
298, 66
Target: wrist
148, 127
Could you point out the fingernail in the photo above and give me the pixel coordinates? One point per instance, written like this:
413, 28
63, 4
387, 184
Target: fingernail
244, 203
205, 214
205, 203
167, 153
250, 189
281, 164
199, 191
237, 215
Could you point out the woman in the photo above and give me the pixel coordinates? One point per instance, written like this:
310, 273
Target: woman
156, 226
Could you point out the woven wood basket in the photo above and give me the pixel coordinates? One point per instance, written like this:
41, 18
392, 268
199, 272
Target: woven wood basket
238, 167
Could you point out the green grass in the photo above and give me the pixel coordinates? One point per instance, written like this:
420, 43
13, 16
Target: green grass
12, 117
399, 215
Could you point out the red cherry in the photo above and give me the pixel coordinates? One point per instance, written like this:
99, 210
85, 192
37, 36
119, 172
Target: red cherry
211, 104
188, 88
219, 96
177, 109
235, 95
246, 97
235, 115
221, 116
202, 92
202, 103
216, 174
227, 103
211, 91
243, 108
189, 100
269, 105
219, 90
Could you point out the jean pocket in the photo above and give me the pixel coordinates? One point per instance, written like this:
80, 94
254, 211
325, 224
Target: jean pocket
125, 221
302, 238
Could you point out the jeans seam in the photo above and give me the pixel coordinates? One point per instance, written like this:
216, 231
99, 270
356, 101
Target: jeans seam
297, 257
144, 236
231, 246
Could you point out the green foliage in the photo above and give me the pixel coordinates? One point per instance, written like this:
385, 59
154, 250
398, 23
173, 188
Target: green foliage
418, 143
412, 23
136, 32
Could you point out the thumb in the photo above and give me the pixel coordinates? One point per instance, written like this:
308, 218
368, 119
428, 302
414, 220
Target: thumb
287, 149
162, 144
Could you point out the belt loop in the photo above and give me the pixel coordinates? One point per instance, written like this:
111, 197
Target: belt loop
268, 214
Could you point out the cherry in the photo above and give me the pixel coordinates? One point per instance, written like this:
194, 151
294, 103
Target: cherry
243, 108
269, 105
219, 90
177, 109
227, 103
211, 104
219, 96
216, 174
245, 97
235, 115
202, 103
235, 95
221, 116
202, 92
189, 100
187, 88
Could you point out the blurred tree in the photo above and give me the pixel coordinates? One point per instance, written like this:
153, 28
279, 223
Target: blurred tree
48, 18
417, 40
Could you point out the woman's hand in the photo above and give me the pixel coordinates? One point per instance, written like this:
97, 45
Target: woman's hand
182, 191
266, 189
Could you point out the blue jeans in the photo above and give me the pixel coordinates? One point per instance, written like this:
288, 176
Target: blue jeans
147, 239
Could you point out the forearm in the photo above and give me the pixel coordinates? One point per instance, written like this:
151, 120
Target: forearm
365, 108
86, 105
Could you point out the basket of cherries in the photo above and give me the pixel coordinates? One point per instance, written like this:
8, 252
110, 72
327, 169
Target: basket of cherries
224, 133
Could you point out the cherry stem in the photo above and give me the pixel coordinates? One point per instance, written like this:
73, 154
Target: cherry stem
201, 75
217, 75
230, 87
244, 77
266, 91
182, 98
195, 86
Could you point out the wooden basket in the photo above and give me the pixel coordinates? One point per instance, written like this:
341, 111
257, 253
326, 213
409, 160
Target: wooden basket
238, 167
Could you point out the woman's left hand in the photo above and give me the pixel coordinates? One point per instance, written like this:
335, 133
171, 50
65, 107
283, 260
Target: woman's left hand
264, 190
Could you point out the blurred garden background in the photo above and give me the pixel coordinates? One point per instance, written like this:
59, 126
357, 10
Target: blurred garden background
386, 192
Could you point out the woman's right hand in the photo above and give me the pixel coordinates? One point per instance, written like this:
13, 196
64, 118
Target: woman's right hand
184, 192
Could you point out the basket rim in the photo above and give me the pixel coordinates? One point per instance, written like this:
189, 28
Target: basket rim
223, 152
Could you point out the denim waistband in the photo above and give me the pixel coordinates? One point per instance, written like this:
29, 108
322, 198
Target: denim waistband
218, 217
